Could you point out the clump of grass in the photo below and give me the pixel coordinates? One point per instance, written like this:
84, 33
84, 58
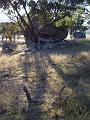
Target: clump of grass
77, 73
71, 108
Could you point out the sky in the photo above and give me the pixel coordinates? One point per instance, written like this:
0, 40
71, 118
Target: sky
3, 17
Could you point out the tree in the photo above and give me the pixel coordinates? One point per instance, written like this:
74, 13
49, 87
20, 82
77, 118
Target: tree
76, 22
3, 30
37, 14
9, 30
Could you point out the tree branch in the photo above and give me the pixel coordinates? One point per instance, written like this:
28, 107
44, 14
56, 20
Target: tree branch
18, 13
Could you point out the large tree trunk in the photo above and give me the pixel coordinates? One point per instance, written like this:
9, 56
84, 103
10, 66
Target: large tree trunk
30, 37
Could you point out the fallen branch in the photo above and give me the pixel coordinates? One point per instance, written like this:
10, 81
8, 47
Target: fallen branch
29, 97
27, 94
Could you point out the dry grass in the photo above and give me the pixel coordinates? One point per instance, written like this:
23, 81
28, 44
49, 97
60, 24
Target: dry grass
9, 61
44, 73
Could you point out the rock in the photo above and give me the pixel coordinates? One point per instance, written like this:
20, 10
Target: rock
5, 45
28, 50
6, 48
9, 50
2, 110
45, 47
33, 50
39, 47
54, 33
50, 46
5, 75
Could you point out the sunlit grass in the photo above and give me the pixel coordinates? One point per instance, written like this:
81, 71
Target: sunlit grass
45, 74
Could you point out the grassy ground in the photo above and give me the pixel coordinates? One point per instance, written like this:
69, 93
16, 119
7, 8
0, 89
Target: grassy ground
45, 73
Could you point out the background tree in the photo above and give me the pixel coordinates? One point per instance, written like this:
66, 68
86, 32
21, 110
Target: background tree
9, 30
75, 21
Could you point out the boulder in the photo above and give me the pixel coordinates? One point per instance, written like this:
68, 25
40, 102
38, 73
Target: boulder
54, 33
6, 48
2, 110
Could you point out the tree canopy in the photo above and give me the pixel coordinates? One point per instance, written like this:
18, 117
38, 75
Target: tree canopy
31, 13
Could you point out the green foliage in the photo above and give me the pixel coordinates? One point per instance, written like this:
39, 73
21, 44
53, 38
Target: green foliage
75, 21
11, 27
40, 13
45, 10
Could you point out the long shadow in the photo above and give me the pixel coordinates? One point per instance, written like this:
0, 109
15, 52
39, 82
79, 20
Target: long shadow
73, 81
41, 74
26, 65
38, 90
70, 48
35, 111
41, 85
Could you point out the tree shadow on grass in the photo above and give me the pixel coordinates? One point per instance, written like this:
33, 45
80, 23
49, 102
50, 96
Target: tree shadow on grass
71, 48
75, 81
39, 85
26, 66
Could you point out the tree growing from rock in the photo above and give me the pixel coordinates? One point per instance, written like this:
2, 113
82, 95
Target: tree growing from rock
34, 15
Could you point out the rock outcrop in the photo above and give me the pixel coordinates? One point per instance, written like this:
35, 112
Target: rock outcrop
54, 33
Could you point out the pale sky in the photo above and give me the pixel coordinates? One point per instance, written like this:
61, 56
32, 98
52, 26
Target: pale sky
3, 17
